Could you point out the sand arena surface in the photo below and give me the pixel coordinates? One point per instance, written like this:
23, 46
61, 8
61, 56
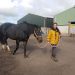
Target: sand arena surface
39, 61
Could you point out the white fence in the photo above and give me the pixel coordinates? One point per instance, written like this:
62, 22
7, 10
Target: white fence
72, 28
65, 30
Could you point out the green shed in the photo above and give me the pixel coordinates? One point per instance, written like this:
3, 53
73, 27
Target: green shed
38, 20
66, 16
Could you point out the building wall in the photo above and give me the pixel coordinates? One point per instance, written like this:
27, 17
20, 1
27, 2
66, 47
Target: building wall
66, 16
49, 22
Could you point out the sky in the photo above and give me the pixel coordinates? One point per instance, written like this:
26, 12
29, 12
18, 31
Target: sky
13, 10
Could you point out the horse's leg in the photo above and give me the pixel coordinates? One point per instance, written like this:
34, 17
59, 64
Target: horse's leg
17, 46
4, 42
3, 47
7, 47
25, 43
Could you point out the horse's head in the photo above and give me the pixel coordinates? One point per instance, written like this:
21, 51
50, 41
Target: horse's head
38, 34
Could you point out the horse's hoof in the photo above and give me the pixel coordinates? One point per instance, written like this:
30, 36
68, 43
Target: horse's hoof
9, 52
4, 50
13, 53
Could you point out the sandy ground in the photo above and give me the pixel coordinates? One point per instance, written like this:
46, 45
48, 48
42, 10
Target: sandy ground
39, 61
